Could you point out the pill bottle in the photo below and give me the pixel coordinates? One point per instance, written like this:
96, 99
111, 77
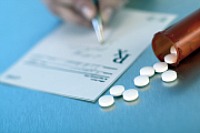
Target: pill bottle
183, 36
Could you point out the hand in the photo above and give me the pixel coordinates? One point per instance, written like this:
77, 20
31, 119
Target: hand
82, 11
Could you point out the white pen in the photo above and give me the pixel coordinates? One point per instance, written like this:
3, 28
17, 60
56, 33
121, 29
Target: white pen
97, 23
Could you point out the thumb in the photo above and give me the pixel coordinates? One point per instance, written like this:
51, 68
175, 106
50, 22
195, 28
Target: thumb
86, 8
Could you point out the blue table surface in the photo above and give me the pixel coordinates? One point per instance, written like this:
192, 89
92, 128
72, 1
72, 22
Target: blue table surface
161, 107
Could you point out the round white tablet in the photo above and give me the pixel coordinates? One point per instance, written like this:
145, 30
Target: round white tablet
130, 95
160, 67
141, 81
147, 71
169, 76
170, 58
106, 101
173, 50
117, 90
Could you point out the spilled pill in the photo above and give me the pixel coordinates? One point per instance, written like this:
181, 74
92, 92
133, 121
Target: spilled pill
141, 81
130, 95
173, 50
106, 101
147, 71
170, 58
160, 67
169, 76
117, 90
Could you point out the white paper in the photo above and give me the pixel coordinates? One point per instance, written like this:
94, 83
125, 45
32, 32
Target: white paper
70, 61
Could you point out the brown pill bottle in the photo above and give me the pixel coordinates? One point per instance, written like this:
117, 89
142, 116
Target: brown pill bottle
184, 36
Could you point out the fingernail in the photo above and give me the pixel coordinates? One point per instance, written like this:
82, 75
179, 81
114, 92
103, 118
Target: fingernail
106, 15
87, 12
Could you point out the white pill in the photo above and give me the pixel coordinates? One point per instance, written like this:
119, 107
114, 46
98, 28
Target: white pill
173, 50
106, 101
130, 95
160, 67
169, 76
147, 71
117, 90
170, 58
141, 81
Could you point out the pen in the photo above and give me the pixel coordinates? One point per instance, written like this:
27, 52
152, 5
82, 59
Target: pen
97, 23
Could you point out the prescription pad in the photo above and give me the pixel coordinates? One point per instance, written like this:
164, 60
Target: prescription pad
70, 61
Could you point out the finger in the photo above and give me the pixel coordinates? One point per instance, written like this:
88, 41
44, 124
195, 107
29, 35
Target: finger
66, 2
47, 2
109, 7
51, 4
84, 7
115, 4
70, 15
106, 14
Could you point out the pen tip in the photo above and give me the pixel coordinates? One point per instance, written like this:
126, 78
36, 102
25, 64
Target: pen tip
101, 41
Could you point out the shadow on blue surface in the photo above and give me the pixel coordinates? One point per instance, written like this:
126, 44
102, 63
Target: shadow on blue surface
188, 71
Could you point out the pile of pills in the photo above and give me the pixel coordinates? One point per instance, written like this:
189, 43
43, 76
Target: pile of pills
159, 67
143, 80
117, 91
172, 57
